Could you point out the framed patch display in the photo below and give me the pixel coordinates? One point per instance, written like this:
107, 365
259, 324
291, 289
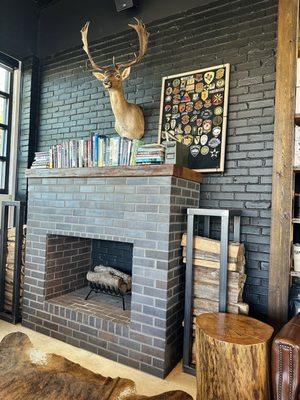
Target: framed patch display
193, 111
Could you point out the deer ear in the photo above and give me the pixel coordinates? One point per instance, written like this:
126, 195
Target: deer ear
126, 73
99, 76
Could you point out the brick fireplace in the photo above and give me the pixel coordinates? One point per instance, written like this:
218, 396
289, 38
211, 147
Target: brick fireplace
142, 207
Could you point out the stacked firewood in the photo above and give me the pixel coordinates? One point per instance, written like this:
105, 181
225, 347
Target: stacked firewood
206, 262
110, 278
9, 272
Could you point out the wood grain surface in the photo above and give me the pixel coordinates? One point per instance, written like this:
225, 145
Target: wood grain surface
125, 170
232, 357
282, 181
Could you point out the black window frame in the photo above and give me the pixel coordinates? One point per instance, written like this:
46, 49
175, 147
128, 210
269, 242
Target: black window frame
11, 64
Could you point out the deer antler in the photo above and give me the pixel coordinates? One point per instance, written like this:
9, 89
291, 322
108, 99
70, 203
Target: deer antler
84, 33
143, 44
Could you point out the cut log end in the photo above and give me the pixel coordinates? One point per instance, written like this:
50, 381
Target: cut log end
232, 357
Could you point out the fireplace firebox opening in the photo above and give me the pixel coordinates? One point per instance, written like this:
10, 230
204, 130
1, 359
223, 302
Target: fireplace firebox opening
70, 264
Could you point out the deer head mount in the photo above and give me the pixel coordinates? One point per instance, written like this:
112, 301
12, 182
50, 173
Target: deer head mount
129, 117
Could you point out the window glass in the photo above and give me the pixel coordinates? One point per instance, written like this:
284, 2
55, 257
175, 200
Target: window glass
4, 79
3, 142
3, 110
2, 174
7, 65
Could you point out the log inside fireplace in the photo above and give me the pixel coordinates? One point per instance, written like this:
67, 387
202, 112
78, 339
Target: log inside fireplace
109, 280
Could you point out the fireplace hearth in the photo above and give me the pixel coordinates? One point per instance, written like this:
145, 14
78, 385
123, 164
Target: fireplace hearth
136, 218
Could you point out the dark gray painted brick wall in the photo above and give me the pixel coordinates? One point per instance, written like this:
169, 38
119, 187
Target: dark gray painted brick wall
112, 254
243, 33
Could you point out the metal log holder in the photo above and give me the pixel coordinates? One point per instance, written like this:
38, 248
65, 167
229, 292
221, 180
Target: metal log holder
225, 216
19, 214
111, 291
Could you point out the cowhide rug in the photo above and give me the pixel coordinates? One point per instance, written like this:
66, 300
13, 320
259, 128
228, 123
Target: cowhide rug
29, 374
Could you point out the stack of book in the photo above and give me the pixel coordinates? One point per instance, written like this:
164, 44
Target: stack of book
41, 160
153, 153
97, 151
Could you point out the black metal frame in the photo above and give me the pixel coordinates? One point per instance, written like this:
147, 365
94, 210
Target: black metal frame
101, 288
19, 207
7, 128
11, 64
225, 216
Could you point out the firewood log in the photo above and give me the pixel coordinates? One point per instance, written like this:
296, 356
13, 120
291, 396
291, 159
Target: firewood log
240, 266
211, 292
126, 278
9, 269
235, 250
209, 275
206, 255
208, 305
110, 281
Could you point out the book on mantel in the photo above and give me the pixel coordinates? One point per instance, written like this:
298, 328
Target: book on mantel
152, 153
41, 160
97, 151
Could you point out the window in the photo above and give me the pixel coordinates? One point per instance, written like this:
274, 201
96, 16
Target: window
7, 66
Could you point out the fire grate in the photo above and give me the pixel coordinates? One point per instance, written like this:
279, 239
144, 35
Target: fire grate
111, 291
109, 280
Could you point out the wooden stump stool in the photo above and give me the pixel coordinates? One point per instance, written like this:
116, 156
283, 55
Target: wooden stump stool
232, 357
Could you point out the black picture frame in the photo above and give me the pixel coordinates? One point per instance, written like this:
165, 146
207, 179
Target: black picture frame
194, 111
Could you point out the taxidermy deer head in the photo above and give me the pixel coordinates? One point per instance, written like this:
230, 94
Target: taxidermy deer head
129, 117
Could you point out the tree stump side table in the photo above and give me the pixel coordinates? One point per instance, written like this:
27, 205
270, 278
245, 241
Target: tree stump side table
232, 357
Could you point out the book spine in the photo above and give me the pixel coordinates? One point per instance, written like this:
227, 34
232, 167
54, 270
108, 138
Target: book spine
129, 152
104, 150
100, 150
51, 157
89, 153
95, 149
68, 153
121, 147
55, 156
75, 154
85, 153
116, 161
80, 153
124, 152
111, 149
59, 155
107, 150
71, 153
114, 151
62, 155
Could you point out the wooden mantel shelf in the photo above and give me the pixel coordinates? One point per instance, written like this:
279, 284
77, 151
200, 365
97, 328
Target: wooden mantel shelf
122, 171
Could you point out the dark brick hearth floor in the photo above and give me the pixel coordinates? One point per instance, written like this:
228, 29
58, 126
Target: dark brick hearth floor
97, 305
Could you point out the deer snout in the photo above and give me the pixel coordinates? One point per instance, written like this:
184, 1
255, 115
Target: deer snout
107, 83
